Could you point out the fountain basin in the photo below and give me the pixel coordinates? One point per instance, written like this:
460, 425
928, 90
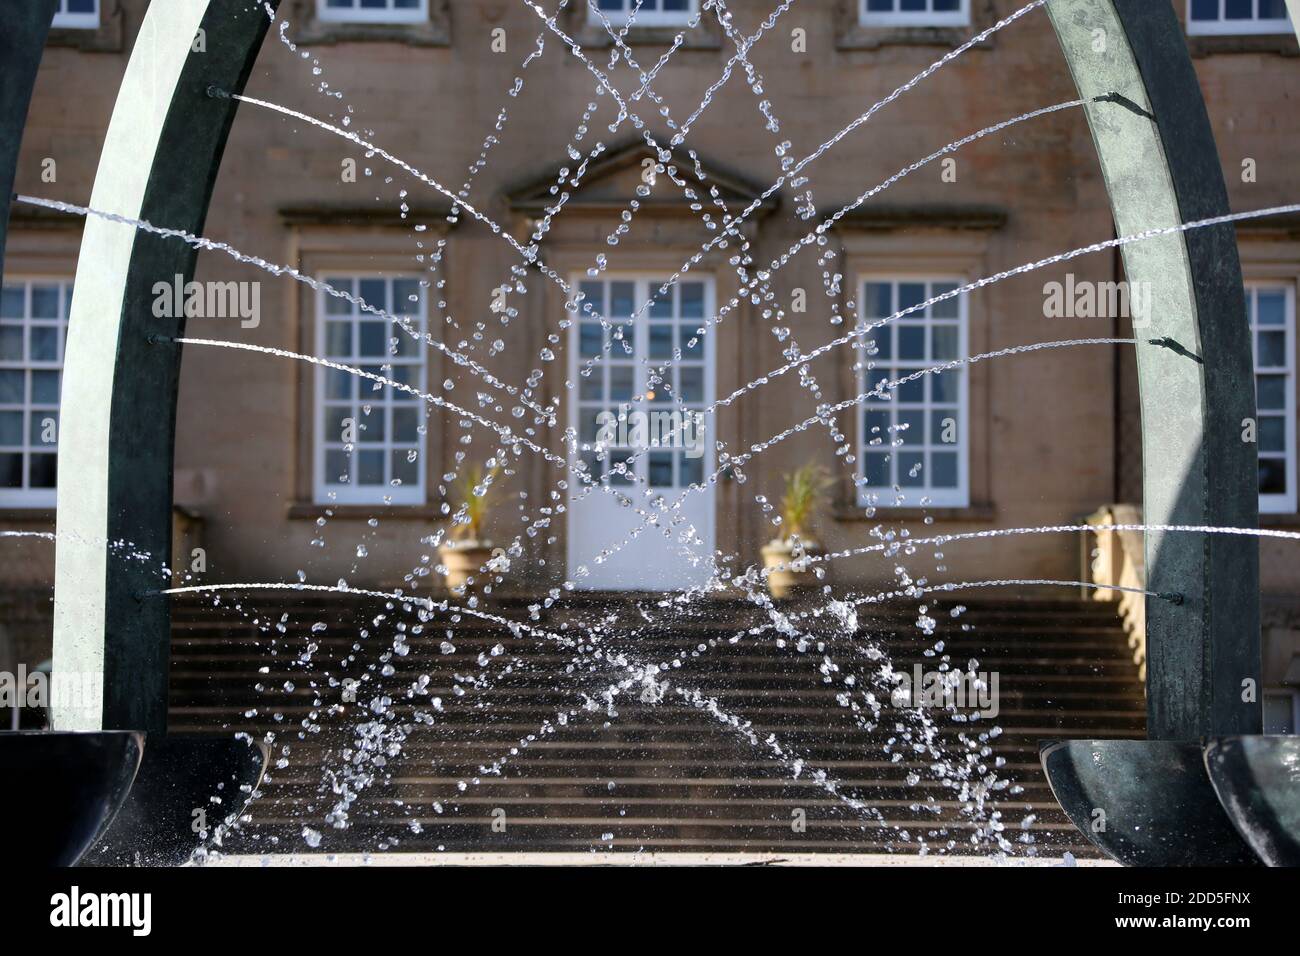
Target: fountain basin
1144, 802
186, 787
61, 789
1257, 780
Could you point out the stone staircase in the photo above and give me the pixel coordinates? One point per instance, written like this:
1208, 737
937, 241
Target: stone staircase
498, 739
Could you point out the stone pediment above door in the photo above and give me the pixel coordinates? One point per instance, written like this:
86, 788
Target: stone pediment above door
613, 179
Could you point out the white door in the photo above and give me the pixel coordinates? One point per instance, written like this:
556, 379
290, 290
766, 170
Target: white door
620, 412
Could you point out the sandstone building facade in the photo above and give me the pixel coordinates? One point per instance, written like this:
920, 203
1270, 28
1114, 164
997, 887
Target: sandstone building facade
485, 97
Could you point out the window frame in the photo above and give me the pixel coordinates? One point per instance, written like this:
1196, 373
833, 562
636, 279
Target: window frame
645, 18
388, 15
1284, 503
914, 18
1225, 27
646, 282
27, 497
326, 493
1293, 695
63, 20
959, 496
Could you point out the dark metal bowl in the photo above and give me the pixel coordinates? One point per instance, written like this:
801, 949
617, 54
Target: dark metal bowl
186, 787
1257, 780
1144, 802
59, 789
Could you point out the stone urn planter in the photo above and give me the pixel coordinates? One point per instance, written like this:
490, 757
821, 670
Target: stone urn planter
785, 564
464, 560
466, 550
786, 570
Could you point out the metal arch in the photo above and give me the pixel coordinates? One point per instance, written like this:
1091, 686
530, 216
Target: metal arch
1161, 167
22, 42
159, 163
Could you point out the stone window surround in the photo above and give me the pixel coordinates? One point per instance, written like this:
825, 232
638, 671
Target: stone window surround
341, 242
959, 248
577, 22
40, 243
1250, 26
852, 34
1276, 261
309, 29
957, 495
108, 37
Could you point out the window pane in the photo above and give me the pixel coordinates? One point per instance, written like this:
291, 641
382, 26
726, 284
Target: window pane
1272, 349
45, 343
878, 300
910, 294
1271, 391
620, 383
911, 427
1272, 433
622, 300
876, 470
661, 469
943, 469
911, 342
877, 426
692, 300
944, 343
337, 467
11, 343
1272, 476
591, 386
692, 469
42, 471
374, 292
692, 384
12, 301
387, 420
1270, 308
1279, 713
45, 302
661, 341
370, 467
912, 392
406, 424
44, 388
911, 472
944, 386
1239, 9
11, 470
11, 429
926, 409
12, 387
405, 470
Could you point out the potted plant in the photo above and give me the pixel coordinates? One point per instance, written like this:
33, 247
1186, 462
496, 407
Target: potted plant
784, 557
466, 551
